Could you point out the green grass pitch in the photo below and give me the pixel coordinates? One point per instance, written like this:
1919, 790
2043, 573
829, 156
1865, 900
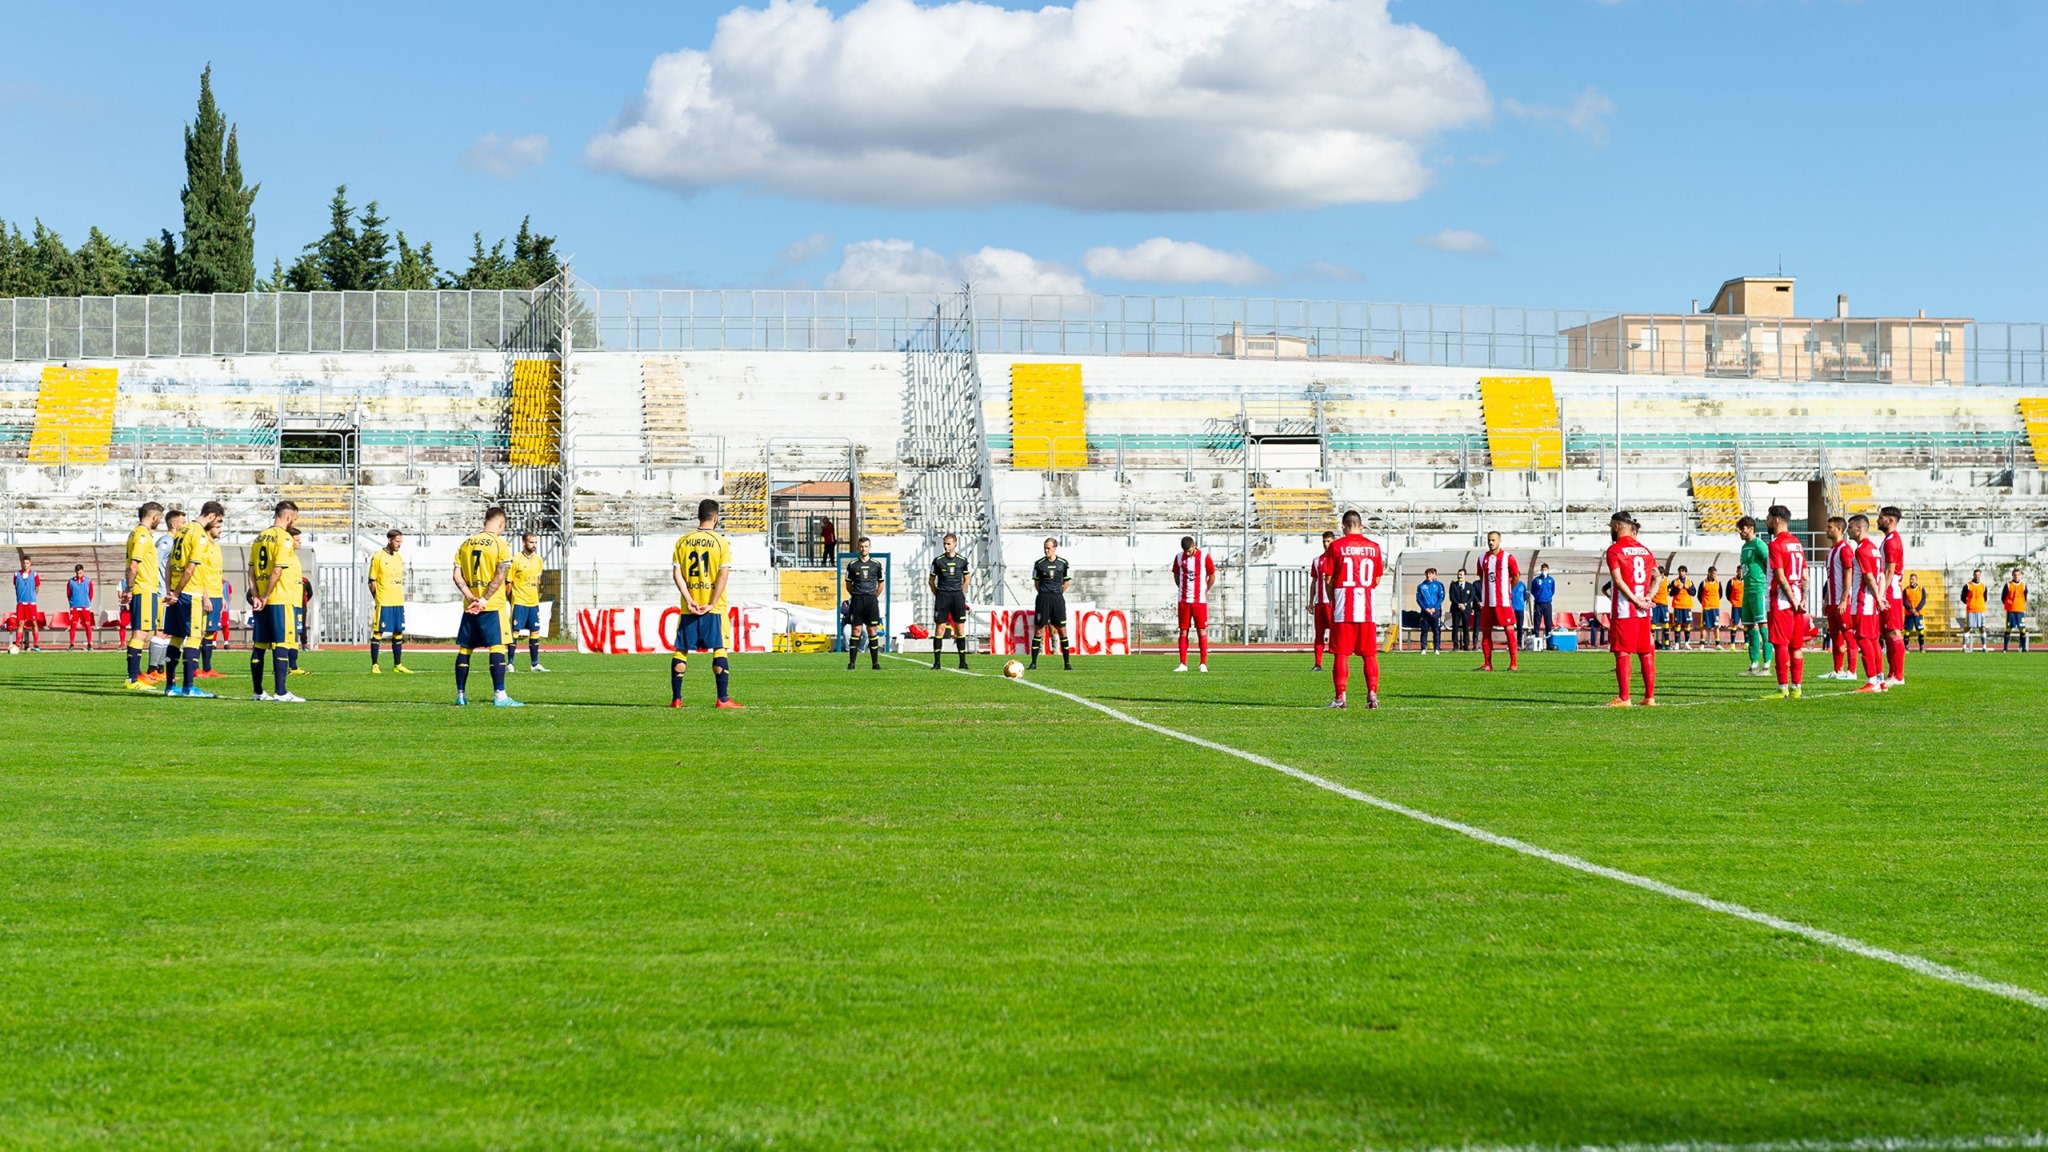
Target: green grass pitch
913, 910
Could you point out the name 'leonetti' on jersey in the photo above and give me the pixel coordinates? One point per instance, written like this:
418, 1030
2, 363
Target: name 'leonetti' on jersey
1193, 573
700, 556
1863, 601
387, 578
1635, 569
1049, 575
950, 572
142, 550
522, 583
1355, 564
1789, 557
478, 560
863, 577
274, 559
1497, 573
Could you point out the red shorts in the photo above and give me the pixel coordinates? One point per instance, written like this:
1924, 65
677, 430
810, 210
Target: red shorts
1789, 627
79, 618
1193, 616
1833, 614
1632, 635
1895, 616
1322, 614
1349, 638
1868, 626
1497, 618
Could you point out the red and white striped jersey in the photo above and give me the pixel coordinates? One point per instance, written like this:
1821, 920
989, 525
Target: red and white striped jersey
1789, 557
1497, 574
1355, 564
1319, 581
1892, 554
1193, 573
1634, 568
1864, 602
1841, 571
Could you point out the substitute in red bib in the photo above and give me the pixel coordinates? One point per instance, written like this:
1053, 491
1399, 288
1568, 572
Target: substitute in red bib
1892, 553
1498, 572
1319, 597
1632, 572
1789, 623
1194, 573
1354, 565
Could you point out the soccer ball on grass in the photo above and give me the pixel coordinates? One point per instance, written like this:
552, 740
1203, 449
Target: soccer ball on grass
1014, 670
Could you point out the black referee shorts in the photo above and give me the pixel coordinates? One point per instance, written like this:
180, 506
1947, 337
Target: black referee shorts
1051, 611
863, 609
950, 608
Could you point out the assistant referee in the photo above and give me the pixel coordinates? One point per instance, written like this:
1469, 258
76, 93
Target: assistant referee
863, 605
1049, 577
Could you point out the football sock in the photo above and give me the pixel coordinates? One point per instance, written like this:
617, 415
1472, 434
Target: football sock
1066, 649
937, 640
1183, 646
1782, 661
1621, 675
1649, 660
1872, 667
1486, 647
174, 660
1372, 670
675, 677
532, 651
721, 671
256, 669
281, 667
1340, 670
1840, 652
960, 645
498, 662
1798, 667
1203, 637
191, 668
1035, 638
293, 655
134, 664
1319, 649
373, 654
206, 654
853, 649
875, 652
462, 672
1895, 655
1756, 645
397, 653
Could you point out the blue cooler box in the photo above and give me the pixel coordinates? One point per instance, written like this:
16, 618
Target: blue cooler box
1564, 641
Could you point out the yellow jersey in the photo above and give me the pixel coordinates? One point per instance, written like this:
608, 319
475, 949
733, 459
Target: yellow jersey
188, 547
387, 578
1975, 596
478, 559
270, 555
700, 556
524, 580
1710, 595
211, 579
142, 552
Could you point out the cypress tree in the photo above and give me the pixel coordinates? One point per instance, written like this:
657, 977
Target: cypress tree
219, 251
373, 249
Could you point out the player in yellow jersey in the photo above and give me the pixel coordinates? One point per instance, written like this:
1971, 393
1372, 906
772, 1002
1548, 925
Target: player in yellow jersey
387, 600
185, 600
700, 567
523, 585
142, 591
275, 593
482, 563
212, 587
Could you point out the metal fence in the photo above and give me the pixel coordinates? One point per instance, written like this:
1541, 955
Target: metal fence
1484, 337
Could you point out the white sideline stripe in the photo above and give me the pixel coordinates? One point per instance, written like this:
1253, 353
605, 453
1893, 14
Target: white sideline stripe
1911, 963
1860, 1144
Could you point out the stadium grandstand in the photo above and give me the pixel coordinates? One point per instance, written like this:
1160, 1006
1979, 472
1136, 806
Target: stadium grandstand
1116, 424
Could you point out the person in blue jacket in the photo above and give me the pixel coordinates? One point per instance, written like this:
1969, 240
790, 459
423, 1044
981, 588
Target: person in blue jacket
1543, 589
1520, 599
1429, 605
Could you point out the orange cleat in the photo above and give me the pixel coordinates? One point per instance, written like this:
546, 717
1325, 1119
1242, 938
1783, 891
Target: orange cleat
1649, 701
1621, 702
1871, 688
675, 703
730, 704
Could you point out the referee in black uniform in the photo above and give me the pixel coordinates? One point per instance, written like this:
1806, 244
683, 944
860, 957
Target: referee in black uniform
1049, 577
948, 584
863, 605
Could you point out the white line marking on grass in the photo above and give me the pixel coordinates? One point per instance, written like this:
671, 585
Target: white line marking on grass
1911, 963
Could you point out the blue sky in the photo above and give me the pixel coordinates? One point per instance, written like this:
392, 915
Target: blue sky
1568, 153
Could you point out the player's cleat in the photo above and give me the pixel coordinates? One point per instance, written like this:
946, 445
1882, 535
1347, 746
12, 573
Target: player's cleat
1067, 664
209, 674
139, 685
1891, 682
461, 700
376, 671
1621, 702
1878, 687
174, 690
1798, 691
729, 705
1181, 668
1338, 703
263, 698
1484, 668
198, 694
503, 701
1372, 701
1201, 667
298, 672
1316, 668
289, 698
1784, 691
536, 668
675, 703
1649, 701
401, 669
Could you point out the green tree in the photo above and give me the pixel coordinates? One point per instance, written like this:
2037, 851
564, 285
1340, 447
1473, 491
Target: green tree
219, 253
16, 262
55, 269
533, 256
154, 268
373, 249
334, 254
487, 270
102, 265
415, 271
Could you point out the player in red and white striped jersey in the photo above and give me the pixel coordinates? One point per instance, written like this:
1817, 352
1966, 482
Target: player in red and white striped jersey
1863, 604
1841, 569
1498, 572
1632, 570
1319, 598
1789, 623
1354, 565
1194, 573
1892, 554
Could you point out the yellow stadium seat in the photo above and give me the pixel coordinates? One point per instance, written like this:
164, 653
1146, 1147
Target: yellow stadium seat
745, 502
536, 440
2034, 414
1716, 500
1292, 510
74, 416
1048, 417
1521, 422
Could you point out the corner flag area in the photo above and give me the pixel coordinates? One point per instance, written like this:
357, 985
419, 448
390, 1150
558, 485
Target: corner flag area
914, 909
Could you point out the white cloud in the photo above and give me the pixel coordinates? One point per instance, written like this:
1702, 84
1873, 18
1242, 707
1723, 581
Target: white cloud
1458, 241
1331, 270
901, 266
1587, 115
804, 251
1107, 104
506, 156
1163, 261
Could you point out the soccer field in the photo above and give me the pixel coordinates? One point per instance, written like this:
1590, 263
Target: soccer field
910, 909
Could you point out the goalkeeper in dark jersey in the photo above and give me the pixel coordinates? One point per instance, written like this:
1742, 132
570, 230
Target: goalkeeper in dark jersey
863, 605
1049, 577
